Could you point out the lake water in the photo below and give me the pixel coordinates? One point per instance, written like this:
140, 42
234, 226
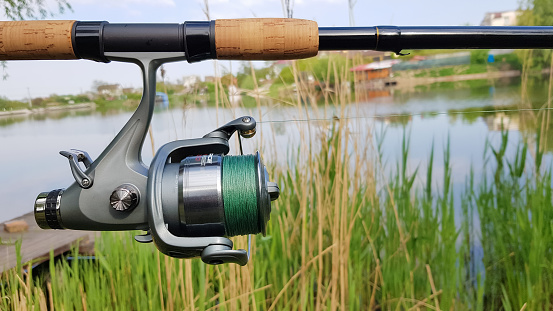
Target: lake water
29, 146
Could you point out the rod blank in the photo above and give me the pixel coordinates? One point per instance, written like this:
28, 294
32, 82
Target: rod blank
395, 38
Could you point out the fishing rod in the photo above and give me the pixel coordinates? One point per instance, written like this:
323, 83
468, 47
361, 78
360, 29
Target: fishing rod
249, 39
194, 196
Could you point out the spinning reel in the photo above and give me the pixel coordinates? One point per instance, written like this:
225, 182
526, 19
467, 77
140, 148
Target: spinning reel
191, 198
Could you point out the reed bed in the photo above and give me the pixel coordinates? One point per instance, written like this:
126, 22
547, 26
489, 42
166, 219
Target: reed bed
347, 233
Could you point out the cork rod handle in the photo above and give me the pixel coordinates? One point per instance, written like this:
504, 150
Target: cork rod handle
36, 40
266, 38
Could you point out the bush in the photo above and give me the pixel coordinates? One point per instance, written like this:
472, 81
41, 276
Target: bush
479, 56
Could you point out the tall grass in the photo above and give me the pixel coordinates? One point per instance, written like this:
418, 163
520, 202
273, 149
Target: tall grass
348, 232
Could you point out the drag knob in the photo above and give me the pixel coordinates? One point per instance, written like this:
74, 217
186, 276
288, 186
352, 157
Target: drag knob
124, 198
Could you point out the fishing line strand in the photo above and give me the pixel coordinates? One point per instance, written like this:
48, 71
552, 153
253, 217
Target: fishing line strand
380, 116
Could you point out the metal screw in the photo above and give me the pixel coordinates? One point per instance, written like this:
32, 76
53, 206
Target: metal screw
85, 182
246, 119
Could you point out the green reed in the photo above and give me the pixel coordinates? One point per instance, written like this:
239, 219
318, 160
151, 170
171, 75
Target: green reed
338, 239
351, 230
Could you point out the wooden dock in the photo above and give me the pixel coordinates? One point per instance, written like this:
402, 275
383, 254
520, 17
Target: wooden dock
36, 243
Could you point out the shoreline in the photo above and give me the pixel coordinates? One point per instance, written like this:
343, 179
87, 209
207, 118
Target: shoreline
408, 82
27, 112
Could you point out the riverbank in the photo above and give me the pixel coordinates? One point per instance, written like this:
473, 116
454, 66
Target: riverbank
407, 82
25, 112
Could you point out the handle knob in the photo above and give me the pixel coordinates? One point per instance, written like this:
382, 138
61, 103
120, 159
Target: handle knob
219, 254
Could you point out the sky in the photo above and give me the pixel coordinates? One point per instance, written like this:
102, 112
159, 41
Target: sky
43, 78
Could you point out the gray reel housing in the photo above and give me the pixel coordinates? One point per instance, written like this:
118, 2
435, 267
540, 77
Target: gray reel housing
118, 192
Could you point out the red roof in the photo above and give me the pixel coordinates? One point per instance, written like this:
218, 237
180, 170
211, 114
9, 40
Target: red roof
376, 65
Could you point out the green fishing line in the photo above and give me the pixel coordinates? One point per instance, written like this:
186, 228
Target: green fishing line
239, 189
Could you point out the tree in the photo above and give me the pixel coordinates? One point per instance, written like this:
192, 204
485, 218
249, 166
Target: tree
96, 84
31, 9
537, 13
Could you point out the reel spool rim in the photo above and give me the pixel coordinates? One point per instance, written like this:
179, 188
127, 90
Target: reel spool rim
264, 200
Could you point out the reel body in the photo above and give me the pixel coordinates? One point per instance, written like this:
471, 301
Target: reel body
191, 198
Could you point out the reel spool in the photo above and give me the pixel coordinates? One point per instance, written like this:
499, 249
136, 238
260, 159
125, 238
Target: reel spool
217, 195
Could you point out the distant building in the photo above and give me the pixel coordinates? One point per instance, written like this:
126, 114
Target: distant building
375, 75
209, 79
234, 95
374, 70
506, 18
376, 56
110, 90
190, 82
131, 90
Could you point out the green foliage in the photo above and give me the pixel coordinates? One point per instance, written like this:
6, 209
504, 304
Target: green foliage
134, 96
63, 100
512, 59
537, 13
478, 64
246, 82
479, 57
275, 88
210, 87
262, 75
6, 104
413, 53
453, 70
402, 239
31, 9
318, 67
